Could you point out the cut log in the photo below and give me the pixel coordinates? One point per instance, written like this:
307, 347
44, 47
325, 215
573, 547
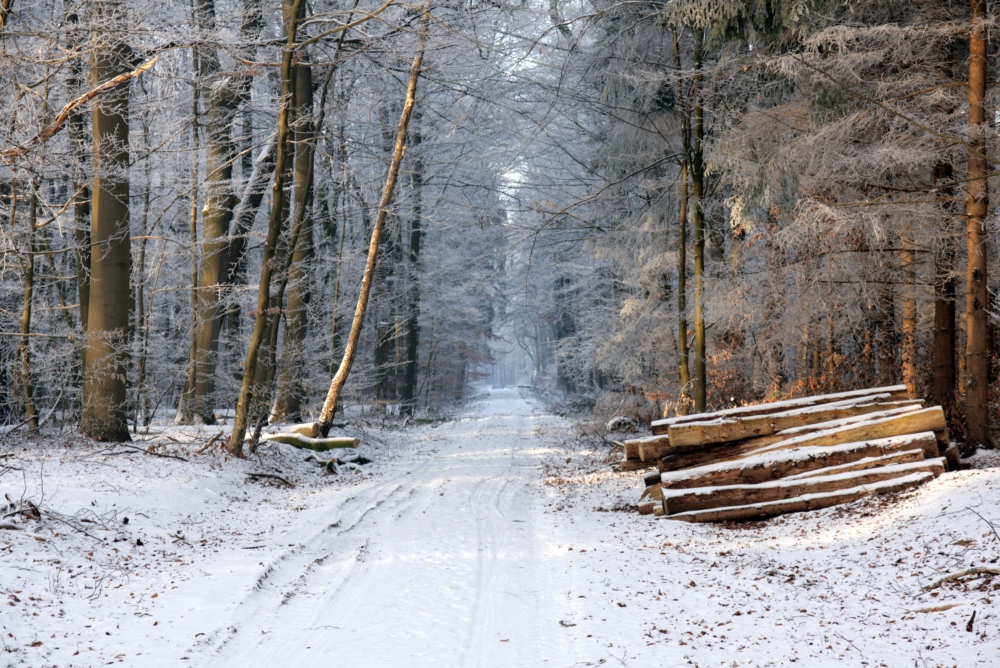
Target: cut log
927, 419
680, 461
895, 392
689, 457
704, 498
943, 440
738, 429
310, 429
759, 442
652, 448
315, 444
772, 466
762, 511
952, 456
904, 457
635, 464
651, 478
631, 449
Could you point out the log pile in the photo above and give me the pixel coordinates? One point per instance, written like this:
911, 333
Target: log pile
755, 462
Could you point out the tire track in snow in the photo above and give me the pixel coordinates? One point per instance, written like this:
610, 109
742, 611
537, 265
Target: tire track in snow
488, 500
281, 579
428, 565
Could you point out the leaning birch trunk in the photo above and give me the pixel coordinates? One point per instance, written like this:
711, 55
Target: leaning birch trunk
330, 405
260, 325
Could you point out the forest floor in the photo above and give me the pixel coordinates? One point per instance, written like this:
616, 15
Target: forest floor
496, 539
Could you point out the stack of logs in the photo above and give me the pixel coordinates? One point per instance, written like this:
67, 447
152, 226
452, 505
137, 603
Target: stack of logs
755, 462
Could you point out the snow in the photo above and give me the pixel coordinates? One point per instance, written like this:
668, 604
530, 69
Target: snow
768, 418
473, 543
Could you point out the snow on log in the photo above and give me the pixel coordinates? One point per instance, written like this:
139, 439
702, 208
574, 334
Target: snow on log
927, 419
895, 392
783, 463
761, 511
704, 498
738, 429
315, 444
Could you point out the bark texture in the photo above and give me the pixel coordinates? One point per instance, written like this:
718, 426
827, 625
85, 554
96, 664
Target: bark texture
106, 352
977, 300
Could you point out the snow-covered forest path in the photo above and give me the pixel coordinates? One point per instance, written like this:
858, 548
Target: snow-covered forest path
497, 540
446, 562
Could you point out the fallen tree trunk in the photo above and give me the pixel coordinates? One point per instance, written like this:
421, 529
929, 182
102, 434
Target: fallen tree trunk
895, 392
738, 429
763, 468
704, 498
315, 444
761, 511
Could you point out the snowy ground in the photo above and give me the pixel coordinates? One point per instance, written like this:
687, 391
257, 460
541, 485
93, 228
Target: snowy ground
492, 540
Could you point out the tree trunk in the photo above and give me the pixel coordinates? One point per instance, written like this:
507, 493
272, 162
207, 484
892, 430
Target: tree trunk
412, 326
81, 202
186, 409
291, 387
27, 387
222, 95
908, 269
943, 349
697, 192
261, 317
337, 384
684, 370
977, 299
106, 349
385, 299
246, 212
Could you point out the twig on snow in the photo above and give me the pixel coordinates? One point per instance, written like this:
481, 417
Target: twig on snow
150, 452
988, 523
209, 444
961, 574
258, 476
